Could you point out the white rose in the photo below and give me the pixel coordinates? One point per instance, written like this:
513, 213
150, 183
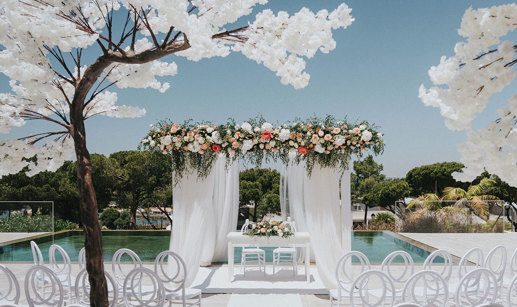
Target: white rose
284, 135
339, 140
280, 233
321, 133
261, 146
267, 127
194, 147
166, 140
246, 127
201, 140
367, 136
216, 137
291, 143
152, 143
175, 139
272, 143
209, 129
185, 138
145, 141
318, 148
247, 145
162, 147
275, 228
255, 141
362, 127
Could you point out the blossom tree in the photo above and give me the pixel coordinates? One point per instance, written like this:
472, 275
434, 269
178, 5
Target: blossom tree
63, 57
465, 82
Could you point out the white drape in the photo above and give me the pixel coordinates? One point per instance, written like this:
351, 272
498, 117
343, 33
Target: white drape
226, 203
204, 211
283, 194
193, 235
314, 204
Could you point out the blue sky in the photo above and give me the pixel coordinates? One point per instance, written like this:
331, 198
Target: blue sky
373, 74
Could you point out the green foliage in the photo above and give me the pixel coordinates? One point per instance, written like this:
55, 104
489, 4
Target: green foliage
259, 189
122, 222
433, 178
109, 216
386, 193
384, 217
20, 222
197, 145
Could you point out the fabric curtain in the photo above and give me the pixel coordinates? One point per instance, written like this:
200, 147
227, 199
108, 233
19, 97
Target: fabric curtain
204, 211
314, 203
226, 204
193, 236
283, 195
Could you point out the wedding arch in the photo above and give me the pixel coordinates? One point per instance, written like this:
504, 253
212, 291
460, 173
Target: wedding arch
316, 153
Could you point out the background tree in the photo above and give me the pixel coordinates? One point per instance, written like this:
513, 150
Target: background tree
123, 43
465, 82
433, 178
259, 192
366, 174
387, 193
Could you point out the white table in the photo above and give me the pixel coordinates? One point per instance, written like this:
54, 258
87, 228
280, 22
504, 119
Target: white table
300, 239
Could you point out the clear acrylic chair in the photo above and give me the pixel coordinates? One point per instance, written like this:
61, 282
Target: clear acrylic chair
439, 261
471, 260
345, 276
9, 287
286, 254
37, 256
252, 255
171, 270
39, 293
121, 268
426, 288
496, 262
143, 288
476, 288
82, 289
372, 289
60, 264
81, 259
398, 276
511, 293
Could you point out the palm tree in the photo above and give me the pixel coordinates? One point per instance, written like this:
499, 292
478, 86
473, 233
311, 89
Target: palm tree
474, 198
429, 201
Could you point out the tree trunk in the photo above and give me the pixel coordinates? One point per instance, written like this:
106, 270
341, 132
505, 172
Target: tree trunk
132, 214
365, 215
89, 215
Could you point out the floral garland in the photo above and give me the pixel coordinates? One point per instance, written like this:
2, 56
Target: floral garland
269, 229
328, 142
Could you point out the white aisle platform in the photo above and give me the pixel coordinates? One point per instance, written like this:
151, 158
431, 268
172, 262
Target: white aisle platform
261, 300
215, 280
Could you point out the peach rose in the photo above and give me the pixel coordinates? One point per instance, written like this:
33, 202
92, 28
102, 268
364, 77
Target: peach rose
315, 138
328, 137
235, 144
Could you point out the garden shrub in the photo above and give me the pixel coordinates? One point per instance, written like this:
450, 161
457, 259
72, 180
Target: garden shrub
38, 223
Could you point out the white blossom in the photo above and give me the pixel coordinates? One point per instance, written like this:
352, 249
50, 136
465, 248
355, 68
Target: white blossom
266, 127
246, 127
247, 145
366, 136
284, 135
465, 83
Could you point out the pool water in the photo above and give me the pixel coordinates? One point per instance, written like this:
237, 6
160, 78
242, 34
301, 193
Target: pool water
147, 244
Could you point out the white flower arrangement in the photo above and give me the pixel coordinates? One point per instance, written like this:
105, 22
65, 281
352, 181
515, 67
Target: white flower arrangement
269, 229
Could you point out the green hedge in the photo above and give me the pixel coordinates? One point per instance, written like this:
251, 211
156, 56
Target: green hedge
38, 223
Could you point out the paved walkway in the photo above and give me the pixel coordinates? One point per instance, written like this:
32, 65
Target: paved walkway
459, 243
11, 236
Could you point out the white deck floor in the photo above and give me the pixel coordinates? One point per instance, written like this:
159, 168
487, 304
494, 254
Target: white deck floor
11, 236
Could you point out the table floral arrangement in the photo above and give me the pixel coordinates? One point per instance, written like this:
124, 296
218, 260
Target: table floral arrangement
269, 229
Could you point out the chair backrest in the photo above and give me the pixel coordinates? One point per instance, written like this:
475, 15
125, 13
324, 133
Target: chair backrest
511, 295
433, 263
43, 288
372, 288
82, 288
9, 287
119, 268
135, 294
344, 273
426, 288
476, 288
245, 225
171, 270
496, 262
37, 256
396, 274
59, 262
81, 259
473, 259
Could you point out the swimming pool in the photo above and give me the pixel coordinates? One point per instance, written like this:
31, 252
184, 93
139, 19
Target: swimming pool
147, 244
